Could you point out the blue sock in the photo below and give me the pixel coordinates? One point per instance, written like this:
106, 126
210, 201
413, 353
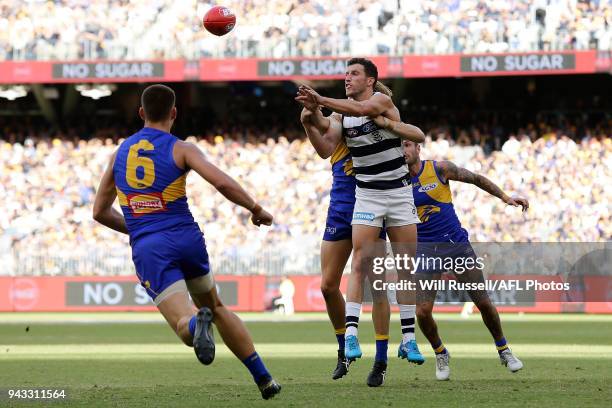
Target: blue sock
340, 338
439, 348
501, 345
192, 325
382, 344
257, 368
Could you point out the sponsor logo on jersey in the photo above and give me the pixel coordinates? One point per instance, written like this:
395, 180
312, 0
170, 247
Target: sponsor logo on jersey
352, 132
141, 204
330, 230
363, 216
377, 136
368, 127
427, 187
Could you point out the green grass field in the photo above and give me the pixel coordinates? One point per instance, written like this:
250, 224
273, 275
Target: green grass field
138, 362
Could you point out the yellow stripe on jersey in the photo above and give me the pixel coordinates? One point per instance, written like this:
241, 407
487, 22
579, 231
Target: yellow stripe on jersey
341, 151
433, 186
171, 193
348, 167
122, 197
175, 190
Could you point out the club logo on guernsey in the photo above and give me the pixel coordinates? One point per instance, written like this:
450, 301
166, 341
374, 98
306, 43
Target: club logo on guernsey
352, 132
427, 187
368, 127
363, 216
426, 211
141, 204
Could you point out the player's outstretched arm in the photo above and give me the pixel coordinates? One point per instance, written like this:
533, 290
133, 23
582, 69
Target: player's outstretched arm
401, 129
191, 157
323, 138
450, 171
376, 105
103, 210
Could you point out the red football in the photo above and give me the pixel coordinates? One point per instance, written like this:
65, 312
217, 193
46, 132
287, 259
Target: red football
219, 20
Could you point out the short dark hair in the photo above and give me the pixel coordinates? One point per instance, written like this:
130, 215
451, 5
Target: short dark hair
368, 66
157, 101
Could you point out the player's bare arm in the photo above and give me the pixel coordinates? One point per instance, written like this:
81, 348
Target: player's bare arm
311, 114
374, 106
401, 129
324, 141
103, 210
189, 156
450, 171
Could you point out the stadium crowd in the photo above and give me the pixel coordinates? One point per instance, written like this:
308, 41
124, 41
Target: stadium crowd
120, 29
48, 185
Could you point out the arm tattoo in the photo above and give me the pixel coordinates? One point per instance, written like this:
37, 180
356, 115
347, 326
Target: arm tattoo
450, 171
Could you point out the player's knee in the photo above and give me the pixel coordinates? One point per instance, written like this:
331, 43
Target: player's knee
424, 311
481, 300
362, 263
329, 288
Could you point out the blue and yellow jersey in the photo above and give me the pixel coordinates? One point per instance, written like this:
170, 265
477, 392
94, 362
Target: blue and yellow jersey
150, 186
434, 203
342, 195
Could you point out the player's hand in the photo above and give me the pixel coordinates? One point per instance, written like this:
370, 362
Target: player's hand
307, 101
381, 121
308, 95
260, 216
517, 201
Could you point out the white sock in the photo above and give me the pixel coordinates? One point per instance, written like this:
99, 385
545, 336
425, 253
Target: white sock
407, 313
353, 310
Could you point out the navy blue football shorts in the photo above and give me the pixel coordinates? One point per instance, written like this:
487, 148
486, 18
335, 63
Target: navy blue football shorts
165, 257
338, 226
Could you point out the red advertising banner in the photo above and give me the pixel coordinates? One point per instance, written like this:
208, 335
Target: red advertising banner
257, 293
234, 69
428, 66
515, 298
308, 296
534, 63
33, 72
256, 69
120, 293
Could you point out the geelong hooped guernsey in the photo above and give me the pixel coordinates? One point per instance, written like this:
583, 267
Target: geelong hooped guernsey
378, 159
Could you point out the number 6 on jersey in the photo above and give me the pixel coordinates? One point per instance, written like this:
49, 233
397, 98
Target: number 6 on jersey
134, 161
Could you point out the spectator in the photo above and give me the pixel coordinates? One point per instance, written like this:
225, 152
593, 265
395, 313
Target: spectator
107, 29
48, 186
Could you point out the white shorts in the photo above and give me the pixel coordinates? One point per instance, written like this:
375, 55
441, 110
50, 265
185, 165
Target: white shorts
394, 207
